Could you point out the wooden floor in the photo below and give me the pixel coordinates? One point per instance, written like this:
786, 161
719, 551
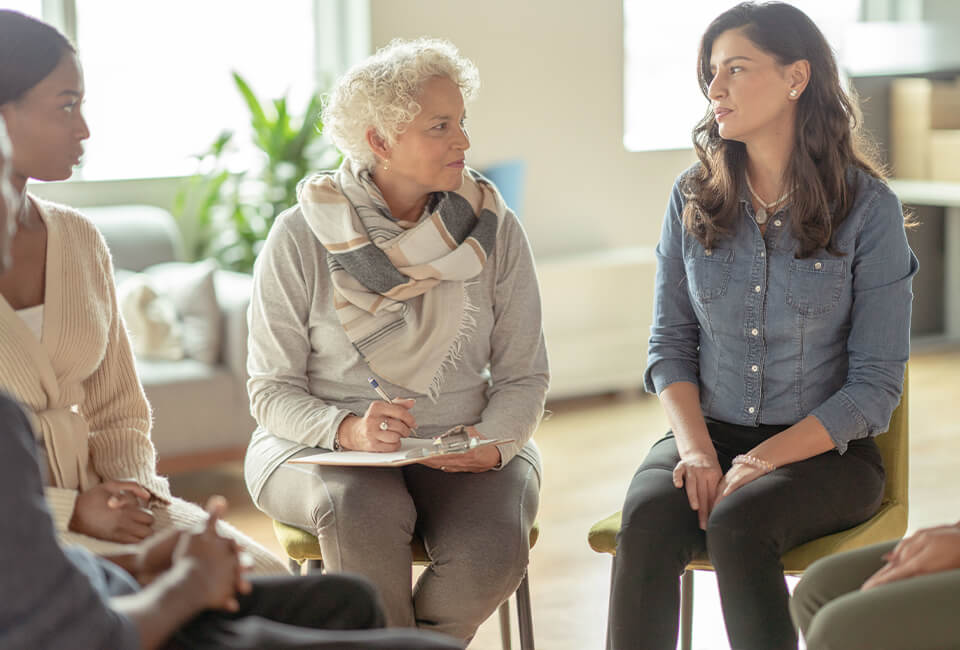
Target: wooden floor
591, 448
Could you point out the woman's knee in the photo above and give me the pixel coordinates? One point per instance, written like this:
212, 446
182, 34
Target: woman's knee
839, 624
732, 532
652, 512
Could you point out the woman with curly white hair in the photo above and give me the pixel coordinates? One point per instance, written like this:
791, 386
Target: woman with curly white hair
405, 265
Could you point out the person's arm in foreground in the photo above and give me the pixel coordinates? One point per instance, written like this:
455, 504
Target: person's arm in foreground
186, 572
49, 602
930, 550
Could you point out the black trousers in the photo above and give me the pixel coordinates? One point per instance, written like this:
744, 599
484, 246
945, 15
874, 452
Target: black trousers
313, 611
746, 535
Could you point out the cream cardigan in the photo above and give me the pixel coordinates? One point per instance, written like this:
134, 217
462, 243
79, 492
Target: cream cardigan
78, 381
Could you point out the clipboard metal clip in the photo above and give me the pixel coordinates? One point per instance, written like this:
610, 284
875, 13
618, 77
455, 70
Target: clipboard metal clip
456, 440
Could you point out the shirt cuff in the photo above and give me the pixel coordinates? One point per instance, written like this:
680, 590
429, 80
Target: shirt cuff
663, 372
842, 419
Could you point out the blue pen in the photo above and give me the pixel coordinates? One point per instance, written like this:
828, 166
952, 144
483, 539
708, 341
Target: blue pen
383, 395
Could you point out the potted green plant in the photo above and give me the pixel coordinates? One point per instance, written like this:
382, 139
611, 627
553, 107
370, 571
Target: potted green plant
227, 214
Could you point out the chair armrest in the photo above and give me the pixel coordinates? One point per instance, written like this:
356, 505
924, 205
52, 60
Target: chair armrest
233, 293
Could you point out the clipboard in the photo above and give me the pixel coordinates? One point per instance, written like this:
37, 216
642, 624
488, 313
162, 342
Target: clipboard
454, 442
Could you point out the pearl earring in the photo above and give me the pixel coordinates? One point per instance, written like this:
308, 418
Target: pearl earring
386, 165
793, 93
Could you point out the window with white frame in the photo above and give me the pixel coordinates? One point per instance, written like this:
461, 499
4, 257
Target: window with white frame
662, 98
159, 87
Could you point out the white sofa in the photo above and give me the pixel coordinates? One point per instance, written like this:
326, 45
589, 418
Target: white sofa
201, 414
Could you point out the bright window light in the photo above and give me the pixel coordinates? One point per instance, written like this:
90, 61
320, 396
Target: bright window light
30, 7
159, 88
662, 98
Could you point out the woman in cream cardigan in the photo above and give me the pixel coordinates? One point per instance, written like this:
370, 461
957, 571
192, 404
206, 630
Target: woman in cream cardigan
406, 265
64, 352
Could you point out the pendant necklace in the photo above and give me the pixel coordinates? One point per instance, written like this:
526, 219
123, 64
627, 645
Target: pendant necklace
765, 208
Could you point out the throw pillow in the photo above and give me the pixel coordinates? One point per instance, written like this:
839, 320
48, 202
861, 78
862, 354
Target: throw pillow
151, 319
191, 289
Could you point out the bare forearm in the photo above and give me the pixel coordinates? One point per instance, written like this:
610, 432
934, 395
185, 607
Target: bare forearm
681, 403
805, 439
160, 608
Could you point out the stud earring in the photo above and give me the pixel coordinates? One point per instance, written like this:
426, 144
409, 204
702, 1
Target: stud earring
793, 93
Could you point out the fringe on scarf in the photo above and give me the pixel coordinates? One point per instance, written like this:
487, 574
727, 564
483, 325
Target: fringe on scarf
468, 324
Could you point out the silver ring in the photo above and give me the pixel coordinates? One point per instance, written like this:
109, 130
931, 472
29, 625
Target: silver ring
384, 426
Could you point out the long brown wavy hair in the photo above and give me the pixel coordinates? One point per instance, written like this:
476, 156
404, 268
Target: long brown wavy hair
828, 135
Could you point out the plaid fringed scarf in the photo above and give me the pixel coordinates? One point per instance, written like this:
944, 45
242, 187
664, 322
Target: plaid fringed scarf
400, 288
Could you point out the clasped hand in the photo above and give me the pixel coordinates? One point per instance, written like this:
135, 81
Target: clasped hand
208, 562
114, 511
707, 485
927, 551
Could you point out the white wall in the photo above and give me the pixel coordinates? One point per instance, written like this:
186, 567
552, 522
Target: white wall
552, 94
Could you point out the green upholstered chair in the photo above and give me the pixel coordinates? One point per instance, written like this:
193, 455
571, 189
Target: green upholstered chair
303, 548
890, 522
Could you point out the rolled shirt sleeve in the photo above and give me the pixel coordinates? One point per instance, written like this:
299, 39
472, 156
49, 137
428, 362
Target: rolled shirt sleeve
675, 333
878, 344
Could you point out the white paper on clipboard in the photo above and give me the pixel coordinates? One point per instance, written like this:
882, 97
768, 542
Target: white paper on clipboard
412, 450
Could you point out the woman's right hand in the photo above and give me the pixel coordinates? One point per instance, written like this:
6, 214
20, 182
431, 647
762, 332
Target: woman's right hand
366, 433
111, 511
700, 474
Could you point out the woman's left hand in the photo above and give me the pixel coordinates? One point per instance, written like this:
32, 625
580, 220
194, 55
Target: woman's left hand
735, 478
926, 551
478, 460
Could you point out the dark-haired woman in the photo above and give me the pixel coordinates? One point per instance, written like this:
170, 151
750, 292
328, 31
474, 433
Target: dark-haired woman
64, 352
780, 336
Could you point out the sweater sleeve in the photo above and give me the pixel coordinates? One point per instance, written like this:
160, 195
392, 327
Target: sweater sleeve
115, 407
279, 345
61, 502
518, 356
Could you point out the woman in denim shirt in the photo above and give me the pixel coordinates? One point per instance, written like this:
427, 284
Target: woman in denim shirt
780, 336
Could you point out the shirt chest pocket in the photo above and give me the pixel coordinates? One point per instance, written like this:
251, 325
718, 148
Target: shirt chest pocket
708, 273
814, 286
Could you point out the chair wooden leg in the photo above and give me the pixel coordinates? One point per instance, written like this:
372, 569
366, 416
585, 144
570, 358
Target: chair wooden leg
504, 611
686, 610
525, 614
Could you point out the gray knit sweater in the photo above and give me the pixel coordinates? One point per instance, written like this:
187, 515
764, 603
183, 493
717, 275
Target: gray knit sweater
306, 376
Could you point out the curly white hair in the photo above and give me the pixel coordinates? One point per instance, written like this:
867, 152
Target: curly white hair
382, 91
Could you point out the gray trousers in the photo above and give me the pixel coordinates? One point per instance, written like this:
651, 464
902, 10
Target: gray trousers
918, 613
475, 528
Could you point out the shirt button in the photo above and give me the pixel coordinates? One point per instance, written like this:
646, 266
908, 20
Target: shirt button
754, 331
752, 410
777, 222
756, 289
755, 368
763, 254
818, 266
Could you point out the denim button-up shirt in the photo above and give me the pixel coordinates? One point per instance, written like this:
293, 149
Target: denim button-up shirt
770, 339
